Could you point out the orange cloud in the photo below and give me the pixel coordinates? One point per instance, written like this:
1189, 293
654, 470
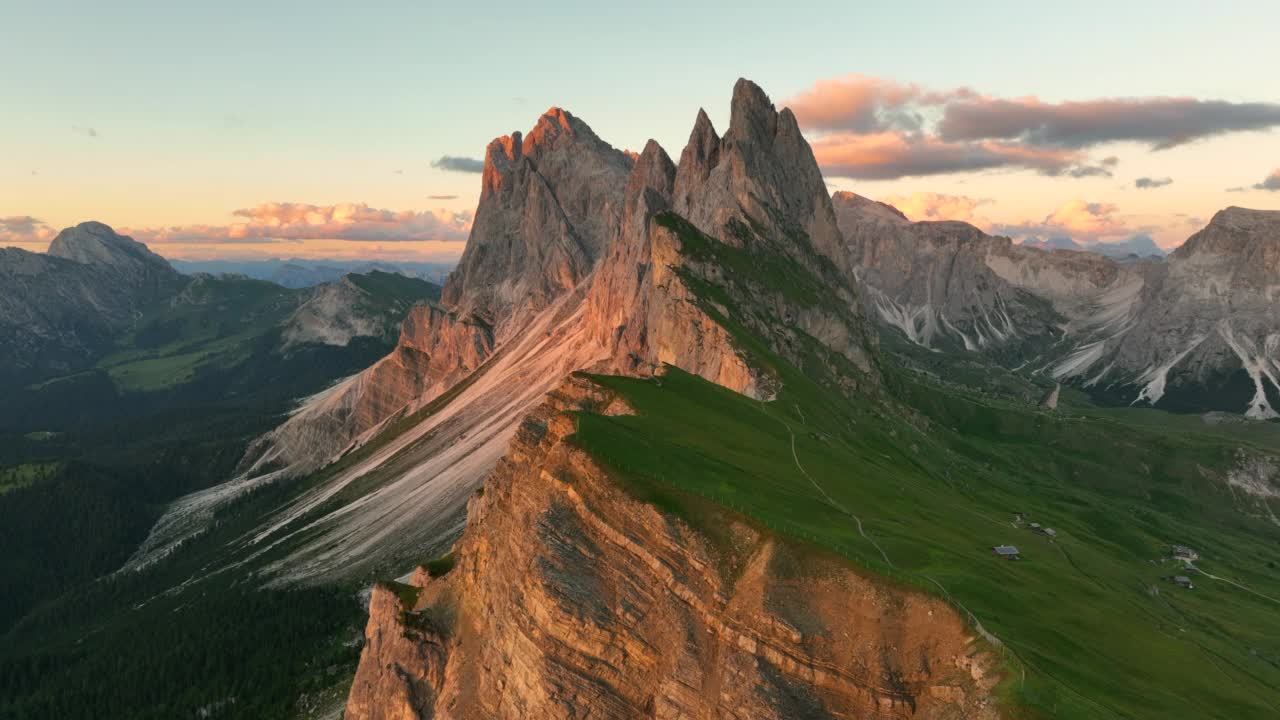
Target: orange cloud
891, 155
937, 206
865, 104
344, 230
24, 230
300, 221
873, 128
1085, 222
1086, 218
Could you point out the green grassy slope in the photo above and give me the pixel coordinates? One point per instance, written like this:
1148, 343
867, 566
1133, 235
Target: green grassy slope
934, 473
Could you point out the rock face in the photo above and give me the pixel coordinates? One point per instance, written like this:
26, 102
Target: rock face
640, 308
1196, 331
335, 313
549, 204
437, 349
948, 285
569, 599
762, 170
59, 309
1208, 324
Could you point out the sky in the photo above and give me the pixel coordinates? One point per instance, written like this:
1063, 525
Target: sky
353, 130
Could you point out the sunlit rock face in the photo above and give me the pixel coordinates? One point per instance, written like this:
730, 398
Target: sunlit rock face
570, 599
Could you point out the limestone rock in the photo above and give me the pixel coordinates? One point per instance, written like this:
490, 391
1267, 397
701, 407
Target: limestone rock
1050, 401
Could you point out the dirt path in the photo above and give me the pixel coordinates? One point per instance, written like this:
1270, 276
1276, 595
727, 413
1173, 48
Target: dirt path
825, 496
1233, 582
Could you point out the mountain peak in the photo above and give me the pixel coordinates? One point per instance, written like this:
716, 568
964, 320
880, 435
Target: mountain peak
854, 204
751, 113
1248, 235
762, 172
699, 157
653, 170
1245, 218
500, 157
95, 243
552, 124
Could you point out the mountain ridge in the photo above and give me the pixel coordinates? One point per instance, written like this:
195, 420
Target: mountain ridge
1154, 330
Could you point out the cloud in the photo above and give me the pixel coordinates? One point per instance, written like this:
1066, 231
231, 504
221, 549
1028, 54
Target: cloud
442, 197
1271, 182
277, 222
936, 206
1079, 220
1159, 122
458, 164
890, 155
863, 104
24, 229
873, 128
1146, 183
1083, 171
86, 131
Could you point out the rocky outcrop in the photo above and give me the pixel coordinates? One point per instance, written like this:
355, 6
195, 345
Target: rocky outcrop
639, 306
570, 599
762, 172
335, 313
549, 205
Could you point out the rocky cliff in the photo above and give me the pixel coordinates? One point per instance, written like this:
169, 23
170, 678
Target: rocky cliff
569, 599
948, 285
1207, 333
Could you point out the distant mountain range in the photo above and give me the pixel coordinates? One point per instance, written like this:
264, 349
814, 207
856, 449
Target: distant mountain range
299, 273
99, 317
1195, 331
1139, 245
